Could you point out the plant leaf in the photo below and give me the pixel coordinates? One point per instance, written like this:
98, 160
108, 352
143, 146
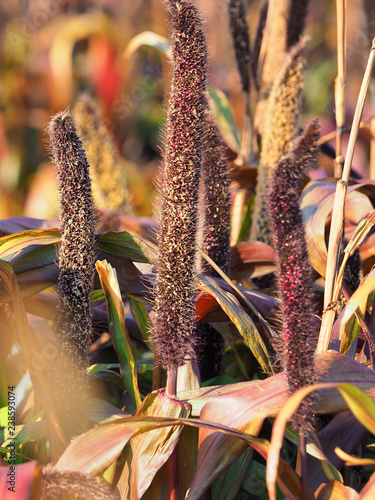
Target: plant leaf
15, 243
145, 454
95, 450
353, 397
27, 483
225, 120
360, 233
120, 338
124, 244
152, 40
142, 318
251, 259
334, 490
368, 491
229, 482
356, 300
316, 205
353, 461
241, 319
362, 407
28, 342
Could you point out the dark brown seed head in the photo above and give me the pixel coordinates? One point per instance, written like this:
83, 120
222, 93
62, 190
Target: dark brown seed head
73, 323
294, 270
241, 42
216, 239
296, 21
174, 335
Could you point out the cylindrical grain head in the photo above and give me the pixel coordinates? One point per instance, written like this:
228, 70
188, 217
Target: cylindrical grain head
294, 270
111, 191
282, 122
241, 41
76, 259
174, 335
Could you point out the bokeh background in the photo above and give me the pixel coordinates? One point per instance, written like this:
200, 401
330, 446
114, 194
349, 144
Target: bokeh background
51, 50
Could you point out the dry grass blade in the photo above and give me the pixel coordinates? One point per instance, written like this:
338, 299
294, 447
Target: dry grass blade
338, 212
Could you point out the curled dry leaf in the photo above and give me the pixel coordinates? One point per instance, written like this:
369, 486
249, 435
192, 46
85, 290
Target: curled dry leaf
334, 490
251, 259
351, 461
317, 204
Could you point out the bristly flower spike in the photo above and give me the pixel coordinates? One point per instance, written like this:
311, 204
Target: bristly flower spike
294, 270
217, 215
241, 41
111, 190
216, 239
281, 127
296, 21
174, 335
73, 324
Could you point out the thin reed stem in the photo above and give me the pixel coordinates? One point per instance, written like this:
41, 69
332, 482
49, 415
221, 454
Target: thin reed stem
372, 149
304, 466
338, 214
340, 84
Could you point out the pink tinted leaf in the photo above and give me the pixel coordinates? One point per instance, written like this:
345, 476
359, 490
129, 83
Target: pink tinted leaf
146, 453
245, 410
20, 224
251, 258
23, 482
316, 205
368, 492
95, 450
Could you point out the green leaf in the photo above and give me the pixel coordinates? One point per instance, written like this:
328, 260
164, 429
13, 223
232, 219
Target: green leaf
362, 407
225, 118
120, 337
357, 300
4, 417
142, 318
240, 318
229, 482
3, 383
255, 482
124, 244
25, 433
100, 367
331, 472
15, 243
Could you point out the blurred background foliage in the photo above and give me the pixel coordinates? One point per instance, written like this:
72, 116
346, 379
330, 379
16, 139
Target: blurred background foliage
51, 50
